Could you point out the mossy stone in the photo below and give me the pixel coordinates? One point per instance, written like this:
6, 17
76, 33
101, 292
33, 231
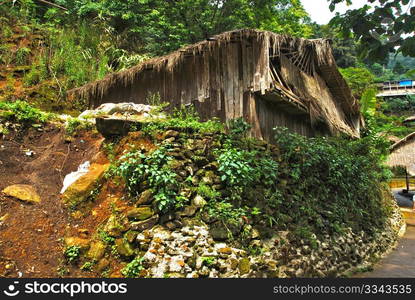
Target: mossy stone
130, 235
124, 247
244, 266
96, 250
140, 213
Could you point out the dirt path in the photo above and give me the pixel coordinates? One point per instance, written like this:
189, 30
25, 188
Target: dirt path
400, 263
30, 234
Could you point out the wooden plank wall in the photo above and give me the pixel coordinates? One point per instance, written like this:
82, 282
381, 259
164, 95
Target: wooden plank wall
223, 83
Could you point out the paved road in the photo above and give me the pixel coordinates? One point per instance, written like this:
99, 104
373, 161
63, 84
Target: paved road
403, 200
398, 264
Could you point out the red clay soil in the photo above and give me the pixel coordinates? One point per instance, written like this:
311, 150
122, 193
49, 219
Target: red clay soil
31, 234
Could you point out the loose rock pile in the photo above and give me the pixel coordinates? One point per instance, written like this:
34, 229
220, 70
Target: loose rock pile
191, 252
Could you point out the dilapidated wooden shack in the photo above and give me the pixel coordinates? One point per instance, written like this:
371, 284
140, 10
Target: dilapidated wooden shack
269, 79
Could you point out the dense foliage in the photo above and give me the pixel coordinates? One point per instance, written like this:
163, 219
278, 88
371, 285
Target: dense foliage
158, 26
137, 168
19, 114
309, 186
345, 176
380, 27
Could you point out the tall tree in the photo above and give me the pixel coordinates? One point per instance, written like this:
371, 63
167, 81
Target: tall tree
165, 25
380, 29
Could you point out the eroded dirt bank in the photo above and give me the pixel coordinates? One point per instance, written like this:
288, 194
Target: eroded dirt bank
30, 234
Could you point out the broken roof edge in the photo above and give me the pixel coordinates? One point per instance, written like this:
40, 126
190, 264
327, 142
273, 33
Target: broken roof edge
321, 47
402, 142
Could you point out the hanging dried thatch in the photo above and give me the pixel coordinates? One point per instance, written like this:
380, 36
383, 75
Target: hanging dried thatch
270, 79
403, 154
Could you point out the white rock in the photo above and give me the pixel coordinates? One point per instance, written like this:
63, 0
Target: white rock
176, 264
74, 176
150, 257
140, 237
159, 269
198, 201
220, 246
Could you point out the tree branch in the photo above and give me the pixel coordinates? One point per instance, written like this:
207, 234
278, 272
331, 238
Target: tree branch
52, 4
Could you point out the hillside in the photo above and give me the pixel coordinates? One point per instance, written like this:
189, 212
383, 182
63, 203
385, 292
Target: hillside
148, 189
183, 198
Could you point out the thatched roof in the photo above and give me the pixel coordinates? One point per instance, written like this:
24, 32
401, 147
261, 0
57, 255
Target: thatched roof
302, 47
408, 139
393, 139
403, 153
310, 56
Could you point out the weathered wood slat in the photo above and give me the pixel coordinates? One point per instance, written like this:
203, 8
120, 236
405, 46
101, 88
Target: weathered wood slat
234, 79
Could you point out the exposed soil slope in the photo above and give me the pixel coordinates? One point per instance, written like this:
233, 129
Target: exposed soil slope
30, 234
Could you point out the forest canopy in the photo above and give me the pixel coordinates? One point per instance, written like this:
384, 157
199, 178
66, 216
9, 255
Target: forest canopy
380, 27
161, 26
64, 44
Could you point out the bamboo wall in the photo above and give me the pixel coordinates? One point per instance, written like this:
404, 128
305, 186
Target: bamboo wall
228, 81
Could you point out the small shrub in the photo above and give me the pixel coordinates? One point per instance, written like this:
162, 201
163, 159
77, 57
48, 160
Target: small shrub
226, 211
337, 180
238, 127
22, 56
234, 168
185, 119
6, 55
32, 77
207, 191
241, 170
137, 167
109, 149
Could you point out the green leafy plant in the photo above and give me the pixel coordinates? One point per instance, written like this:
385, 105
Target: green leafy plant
185, 119
208, 261
238, 127
207, 191
62, 270
23, 113
241, 169
133, 268
137, 167
234, 168
72, 253
368, 102
105, 237
87, 266
351, 169
226, 211
22, 56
